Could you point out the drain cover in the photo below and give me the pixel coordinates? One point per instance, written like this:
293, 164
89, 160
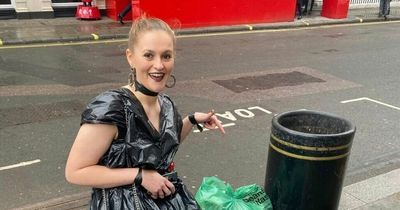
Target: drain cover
267, 81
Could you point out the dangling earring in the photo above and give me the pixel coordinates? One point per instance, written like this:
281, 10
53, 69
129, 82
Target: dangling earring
173, 83
131, 77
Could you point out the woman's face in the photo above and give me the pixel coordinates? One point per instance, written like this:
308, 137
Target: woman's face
153, 58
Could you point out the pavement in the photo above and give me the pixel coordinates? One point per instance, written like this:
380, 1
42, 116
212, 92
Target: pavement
377, 193
38, 31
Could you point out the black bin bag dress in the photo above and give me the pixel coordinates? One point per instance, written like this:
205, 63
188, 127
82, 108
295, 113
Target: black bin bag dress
138, 145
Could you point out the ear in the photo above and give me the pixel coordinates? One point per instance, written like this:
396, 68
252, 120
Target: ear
129, 57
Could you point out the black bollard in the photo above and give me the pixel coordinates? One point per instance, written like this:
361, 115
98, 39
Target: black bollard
307, 158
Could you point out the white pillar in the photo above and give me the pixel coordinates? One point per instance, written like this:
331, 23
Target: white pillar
33, 9
100, 3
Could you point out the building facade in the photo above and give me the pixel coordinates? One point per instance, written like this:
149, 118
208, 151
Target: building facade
28, 9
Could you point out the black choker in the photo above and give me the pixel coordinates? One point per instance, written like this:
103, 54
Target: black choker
141, 88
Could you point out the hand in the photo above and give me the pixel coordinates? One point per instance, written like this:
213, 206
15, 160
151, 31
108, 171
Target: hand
209, 120
157, 185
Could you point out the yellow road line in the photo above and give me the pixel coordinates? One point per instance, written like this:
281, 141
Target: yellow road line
302, 157
63, 44
286, 29
197, 35
95, 36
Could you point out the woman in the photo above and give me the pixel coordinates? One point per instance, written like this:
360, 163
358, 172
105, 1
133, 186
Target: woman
129, 136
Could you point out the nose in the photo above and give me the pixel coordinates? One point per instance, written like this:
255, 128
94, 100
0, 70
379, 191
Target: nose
158, 64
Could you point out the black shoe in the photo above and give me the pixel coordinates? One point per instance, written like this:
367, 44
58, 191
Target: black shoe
385, 17
120, 18
299, 17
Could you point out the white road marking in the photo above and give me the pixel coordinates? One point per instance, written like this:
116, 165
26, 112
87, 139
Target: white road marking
244, 113
261, 109
20, 164
372, 100
224, 125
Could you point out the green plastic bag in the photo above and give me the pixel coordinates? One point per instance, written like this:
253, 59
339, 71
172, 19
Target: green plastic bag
215, 194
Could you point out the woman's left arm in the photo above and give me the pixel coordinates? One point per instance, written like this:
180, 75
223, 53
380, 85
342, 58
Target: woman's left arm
209, 120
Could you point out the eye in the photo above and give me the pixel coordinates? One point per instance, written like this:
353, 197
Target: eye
148, 55
167, 56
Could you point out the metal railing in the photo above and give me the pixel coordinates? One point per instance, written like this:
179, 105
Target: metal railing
361, 3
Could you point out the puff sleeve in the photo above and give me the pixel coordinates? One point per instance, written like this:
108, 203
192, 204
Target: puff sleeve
106, 108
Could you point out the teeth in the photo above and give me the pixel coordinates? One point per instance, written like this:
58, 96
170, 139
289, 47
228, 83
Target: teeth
156, 74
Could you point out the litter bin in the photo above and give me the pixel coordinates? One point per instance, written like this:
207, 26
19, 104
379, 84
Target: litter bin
307, 158
335, 9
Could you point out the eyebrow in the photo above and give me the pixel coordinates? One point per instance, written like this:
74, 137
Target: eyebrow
152, 51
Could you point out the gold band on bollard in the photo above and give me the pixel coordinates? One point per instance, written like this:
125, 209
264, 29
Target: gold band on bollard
308, 147
308, 157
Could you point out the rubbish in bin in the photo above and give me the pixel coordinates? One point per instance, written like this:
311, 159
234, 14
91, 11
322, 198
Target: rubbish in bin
215, 194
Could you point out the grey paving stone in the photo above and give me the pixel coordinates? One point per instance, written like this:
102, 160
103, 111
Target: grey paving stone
375, 188
389, 203
348, 202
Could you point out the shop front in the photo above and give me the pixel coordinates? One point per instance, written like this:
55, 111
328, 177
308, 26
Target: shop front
30, 9
187, 14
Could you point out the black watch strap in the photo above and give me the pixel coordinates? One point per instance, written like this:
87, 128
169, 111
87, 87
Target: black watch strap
194, 122
138, 178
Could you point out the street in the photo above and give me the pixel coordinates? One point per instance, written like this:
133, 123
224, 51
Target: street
351, 71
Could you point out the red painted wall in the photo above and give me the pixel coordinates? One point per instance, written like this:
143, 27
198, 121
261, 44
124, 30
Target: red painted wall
335, 8
114, 7
197, 13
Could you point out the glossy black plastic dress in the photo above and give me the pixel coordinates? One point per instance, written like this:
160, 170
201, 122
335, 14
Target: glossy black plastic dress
138, 145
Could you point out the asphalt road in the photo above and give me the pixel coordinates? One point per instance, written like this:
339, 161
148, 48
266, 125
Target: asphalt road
351, 71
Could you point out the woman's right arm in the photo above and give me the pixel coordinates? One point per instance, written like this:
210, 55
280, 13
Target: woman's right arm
82, 168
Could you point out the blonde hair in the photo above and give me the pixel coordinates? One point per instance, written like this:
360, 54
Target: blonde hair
143, 24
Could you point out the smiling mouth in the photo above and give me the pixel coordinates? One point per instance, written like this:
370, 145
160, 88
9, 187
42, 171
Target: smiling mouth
158, 77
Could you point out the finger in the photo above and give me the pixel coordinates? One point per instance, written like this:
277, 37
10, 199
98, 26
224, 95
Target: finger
153, 196
161, 194
170, 186
210, 125
214, 124
219, 125
166, 191
210, 114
